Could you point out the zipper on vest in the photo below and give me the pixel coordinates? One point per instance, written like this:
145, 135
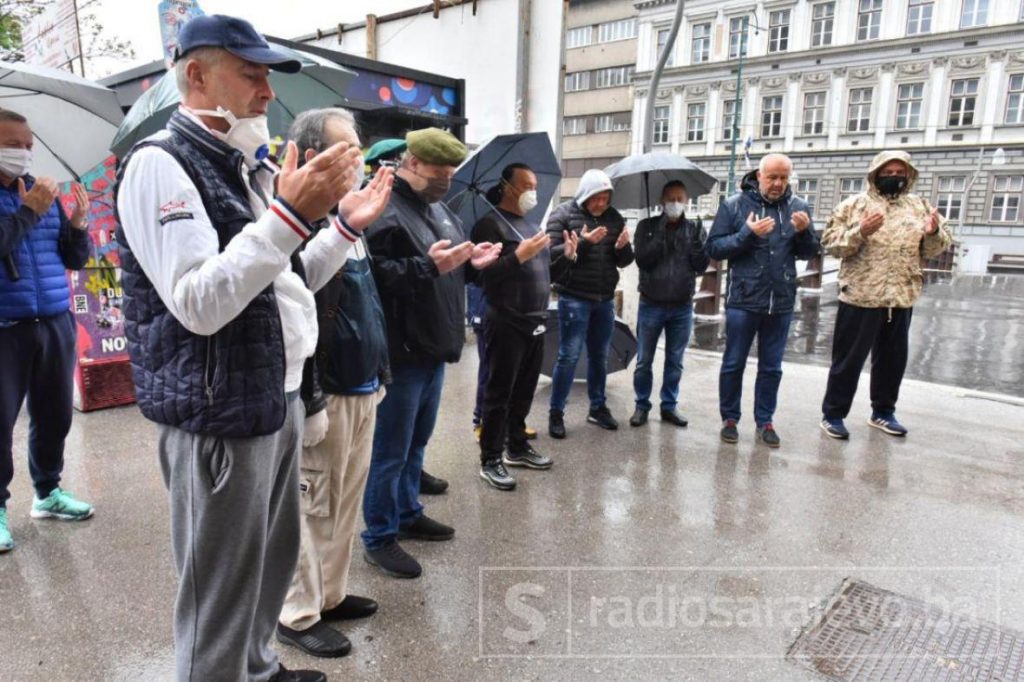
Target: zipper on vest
207, 378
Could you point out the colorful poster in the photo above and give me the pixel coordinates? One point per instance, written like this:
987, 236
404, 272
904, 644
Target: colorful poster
379, 88
173, 15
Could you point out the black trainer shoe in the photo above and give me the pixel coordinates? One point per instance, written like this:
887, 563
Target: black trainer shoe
729, 434
639, 417
426, 528
393, 561
351, 608
602, 416
767, 435
674, 417
432, 485
320, 640
497, 476
283, 674
526, 457
556, 424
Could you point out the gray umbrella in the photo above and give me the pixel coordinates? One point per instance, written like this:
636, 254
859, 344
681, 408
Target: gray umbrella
638, 179
620, 353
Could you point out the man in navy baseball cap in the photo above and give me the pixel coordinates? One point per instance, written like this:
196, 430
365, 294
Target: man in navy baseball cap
235, 35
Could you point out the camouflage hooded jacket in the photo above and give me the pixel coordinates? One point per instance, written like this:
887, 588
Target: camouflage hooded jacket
883, 270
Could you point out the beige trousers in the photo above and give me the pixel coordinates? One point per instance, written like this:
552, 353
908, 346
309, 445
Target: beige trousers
332, 479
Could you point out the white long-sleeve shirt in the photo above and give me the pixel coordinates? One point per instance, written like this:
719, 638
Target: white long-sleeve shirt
171, 236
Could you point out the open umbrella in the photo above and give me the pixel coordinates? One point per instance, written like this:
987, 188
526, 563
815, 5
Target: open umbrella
72, 119
482, 170
321, 83
620, 353
638, 179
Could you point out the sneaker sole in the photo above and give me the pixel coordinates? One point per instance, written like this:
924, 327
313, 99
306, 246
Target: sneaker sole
387, 571
768, 445
731, 440
525, 464
556, 436
312, 652
606, 427
837, 436
40, 514
496, 485
885, 429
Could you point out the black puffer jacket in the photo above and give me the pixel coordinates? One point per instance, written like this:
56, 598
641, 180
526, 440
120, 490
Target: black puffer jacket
596, 271
670, 260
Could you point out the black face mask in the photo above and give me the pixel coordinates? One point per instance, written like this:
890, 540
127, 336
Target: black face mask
436, 188
890, 185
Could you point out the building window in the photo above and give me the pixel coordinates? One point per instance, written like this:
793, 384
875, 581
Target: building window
814, 113
1006, 194
613, 77
869, 19
771, 116
919, 17
962, 98
623, 29
737, 37
849, 187
974, 13
778, 31
807, 189
858, 118
612, 123
579, 37
662, 39
731, 118
950, 195
574, 82
695, 122
701, 43
908, 106
662, 116
575, 125
1015, 99
821, 25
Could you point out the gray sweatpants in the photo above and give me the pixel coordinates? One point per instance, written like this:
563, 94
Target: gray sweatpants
235, 532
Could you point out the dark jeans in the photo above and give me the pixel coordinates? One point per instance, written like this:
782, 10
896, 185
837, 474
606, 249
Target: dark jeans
37, 359
676, 322
882, 332
579, 321
405, 422
740, 328
481, 372
514, 360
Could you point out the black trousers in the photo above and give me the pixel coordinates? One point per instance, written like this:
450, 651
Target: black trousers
513, 362
882, 332
37, 359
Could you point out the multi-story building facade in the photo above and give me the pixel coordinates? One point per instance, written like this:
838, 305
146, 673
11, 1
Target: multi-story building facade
597, 107
832, 82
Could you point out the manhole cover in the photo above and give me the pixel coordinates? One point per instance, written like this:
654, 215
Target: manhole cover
868, 634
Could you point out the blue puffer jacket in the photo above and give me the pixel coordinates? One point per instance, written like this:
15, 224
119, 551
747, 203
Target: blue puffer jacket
762, 271
43, 249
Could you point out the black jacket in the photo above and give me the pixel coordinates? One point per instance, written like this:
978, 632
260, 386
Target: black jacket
518, 289
424, 311
762, 271
670, 259
595, 273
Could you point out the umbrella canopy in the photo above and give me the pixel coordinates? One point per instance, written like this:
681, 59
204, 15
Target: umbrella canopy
620, 353
72, 119
482, 170
321, 83
638, 179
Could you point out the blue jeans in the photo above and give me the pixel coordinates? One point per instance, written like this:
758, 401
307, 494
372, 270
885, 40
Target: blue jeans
676, 321
405, 421
581, 320
740, 328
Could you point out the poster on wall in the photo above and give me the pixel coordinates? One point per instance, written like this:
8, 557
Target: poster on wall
173, 15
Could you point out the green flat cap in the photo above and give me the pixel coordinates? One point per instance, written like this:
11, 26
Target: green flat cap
383, 149
433, 145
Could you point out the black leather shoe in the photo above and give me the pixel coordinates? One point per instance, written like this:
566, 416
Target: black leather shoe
426, 528
673, 417
432, 485
639, 417
393, 561
283, 674
556, 424
320, 640
350, 608
602, 416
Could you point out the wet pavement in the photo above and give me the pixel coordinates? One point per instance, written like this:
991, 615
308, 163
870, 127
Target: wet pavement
649, 553
967, 331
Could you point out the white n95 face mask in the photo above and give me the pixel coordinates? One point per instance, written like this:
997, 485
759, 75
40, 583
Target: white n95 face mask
251, 136
674, 209
528, 201
15, 162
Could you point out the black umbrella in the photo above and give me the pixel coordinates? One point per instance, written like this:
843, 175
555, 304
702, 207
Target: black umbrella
620, 354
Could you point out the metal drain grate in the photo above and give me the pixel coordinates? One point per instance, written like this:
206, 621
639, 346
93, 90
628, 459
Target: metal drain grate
868, 634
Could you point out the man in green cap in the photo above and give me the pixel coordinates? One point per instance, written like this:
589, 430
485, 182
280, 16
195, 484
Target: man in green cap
419, 255
384, 151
